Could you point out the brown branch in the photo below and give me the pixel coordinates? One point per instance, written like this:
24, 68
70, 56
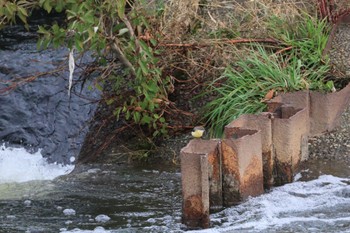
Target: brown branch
184, 45
236, 41
123, 58
14, 83
264, 40
283, 50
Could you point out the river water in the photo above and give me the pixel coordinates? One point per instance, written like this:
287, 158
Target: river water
42, 130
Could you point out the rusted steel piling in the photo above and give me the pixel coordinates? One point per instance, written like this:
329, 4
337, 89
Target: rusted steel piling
326, 109
262, 123
289, 131
242, 165
258, 151
195, 170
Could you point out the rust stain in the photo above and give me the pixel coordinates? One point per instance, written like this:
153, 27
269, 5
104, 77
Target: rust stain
194, 214
268, 169
229, 161
213, 161
252, 180
283, 173
231, 177
215, 184
194, 205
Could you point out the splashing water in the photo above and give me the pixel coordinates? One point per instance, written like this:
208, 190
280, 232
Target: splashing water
319, 205
18, 165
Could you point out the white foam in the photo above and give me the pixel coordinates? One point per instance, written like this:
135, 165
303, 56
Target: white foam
96, 230
69, 212
102, 218
18, 165
291, 203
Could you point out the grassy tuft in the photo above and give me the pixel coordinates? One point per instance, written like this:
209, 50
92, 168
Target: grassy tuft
299, 65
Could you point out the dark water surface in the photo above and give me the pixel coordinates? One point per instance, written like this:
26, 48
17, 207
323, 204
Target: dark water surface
135, 200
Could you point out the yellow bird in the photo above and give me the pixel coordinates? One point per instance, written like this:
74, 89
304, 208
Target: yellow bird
198, 132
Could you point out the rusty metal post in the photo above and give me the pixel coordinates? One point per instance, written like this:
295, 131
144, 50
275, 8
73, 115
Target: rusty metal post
260, 122
289, 136
326, 109
242, 165
195, 173
298, 100
215, 174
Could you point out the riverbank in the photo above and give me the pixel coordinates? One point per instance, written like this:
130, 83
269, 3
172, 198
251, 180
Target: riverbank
114, 141
336, 144
330, 153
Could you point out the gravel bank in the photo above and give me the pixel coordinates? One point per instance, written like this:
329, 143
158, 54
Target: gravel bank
340, 50
336, 145
333, 145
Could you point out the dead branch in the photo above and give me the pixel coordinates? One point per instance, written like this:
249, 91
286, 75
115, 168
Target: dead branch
225, 41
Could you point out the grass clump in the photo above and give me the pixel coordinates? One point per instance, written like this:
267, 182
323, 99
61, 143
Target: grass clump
296, 64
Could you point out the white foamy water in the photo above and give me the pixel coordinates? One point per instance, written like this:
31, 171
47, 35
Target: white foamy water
320, 205
96, 230
17, 165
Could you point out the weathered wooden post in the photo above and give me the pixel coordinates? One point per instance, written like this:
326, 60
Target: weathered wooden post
260, 122
242, 166
199, 161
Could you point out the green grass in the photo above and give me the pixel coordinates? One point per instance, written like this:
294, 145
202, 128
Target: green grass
243, 85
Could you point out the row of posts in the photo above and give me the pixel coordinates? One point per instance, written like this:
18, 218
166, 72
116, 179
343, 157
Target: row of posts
256, 153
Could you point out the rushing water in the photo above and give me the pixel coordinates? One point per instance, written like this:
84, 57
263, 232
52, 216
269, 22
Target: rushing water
125, 199
112, 198
42, 131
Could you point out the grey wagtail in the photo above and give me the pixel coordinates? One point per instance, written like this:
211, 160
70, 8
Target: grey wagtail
198, 132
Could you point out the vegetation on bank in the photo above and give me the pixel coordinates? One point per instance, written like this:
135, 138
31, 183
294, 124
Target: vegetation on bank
295, 63
188, 64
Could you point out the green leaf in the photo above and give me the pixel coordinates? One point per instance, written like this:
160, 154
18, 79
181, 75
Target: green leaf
89, 17
122, 31
98, 86
155, 133
153, 87
153, 42
330, 86
59, 6
121, 8
151, 106
143, 66
146, 119
137, 117
79, 44
116, 112
110, 101
127, 115
47, 6
22, 11
162, 120
70, 15
22, 17
146, 49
